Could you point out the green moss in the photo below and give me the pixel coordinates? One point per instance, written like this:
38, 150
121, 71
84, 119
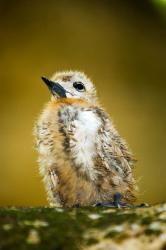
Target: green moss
112, 234
63, 232
91, 241
149, 231
146, 220
65, 229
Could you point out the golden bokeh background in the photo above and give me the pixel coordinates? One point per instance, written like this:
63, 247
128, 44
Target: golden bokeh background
121, 45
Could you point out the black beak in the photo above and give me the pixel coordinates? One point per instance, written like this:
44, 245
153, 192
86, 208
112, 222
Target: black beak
54, 87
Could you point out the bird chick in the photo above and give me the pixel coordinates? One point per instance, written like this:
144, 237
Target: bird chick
83, 160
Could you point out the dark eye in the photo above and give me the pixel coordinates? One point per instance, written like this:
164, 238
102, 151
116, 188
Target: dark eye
79, 86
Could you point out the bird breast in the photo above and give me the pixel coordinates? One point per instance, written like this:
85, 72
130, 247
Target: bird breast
81, 126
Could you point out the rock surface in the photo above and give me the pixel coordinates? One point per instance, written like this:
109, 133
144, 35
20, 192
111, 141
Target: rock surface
83, 228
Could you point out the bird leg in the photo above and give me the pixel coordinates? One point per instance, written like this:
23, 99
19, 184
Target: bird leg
116, 203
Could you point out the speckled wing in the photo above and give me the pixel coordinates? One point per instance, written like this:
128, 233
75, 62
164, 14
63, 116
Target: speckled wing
111, 146
114, 153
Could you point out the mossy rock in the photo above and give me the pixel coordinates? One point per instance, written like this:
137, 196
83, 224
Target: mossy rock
83, 228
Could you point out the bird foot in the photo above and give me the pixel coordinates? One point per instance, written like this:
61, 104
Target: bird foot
116, 203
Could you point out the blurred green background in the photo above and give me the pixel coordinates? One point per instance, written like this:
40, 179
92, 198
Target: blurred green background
121, 45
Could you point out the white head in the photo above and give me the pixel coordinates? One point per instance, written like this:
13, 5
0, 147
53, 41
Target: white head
71, 84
